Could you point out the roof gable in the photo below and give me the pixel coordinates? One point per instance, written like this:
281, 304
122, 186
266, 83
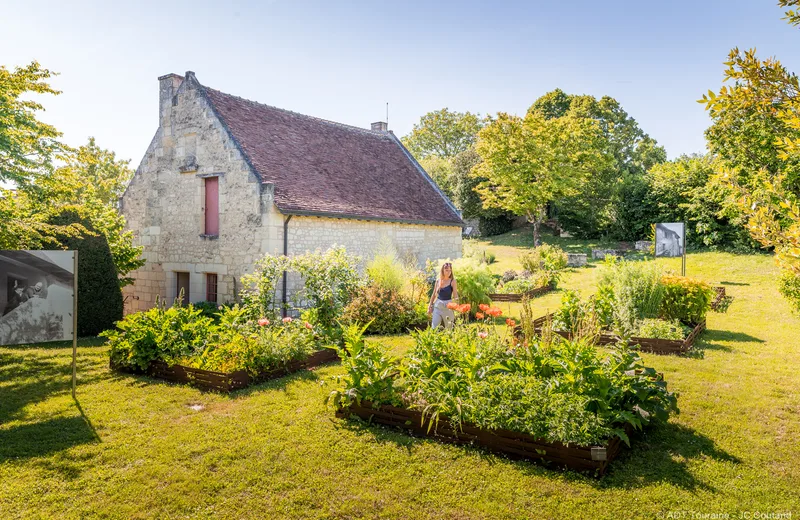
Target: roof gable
323, 168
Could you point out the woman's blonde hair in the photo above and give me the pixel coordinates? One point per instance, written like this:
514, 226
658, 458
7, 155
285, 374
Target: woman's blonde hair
441, 271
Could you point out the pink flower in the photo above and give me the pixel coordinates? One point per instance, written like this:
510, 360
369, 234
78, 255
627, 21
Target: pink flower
483, 335
263, 322
287, 319
309, 326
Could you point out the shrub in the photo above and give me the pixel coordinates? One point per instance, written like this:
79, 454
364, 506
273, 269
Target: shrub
474, 281
685, 299
168, 334
660, 329
386, 271
385, 311
495, 225
99, 296
208, 309
256, 348
330, 281
637, 290
546, 257
259, 287
523, 285
789, 287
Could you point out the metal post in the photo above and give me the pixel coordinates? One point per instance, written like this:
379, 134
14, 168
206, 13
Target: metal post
74, 320
683, 263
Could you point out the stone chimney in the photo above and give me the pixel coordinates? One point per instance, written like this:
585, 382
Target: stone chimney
167, 87
380, 126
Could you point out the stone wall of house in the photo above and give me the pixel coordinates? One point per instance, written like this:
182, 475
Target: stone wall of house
164, 203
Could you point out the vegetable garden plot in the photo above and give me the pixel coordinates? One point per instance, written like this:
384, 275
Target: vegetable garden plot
518, 297
593, 459
654, 345
230, 381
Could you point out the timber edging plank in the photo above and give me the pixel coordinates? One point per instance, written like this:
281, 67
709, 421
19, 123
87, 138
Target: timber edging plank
517, 297
718, 298
227, 381
512, 444
653, 345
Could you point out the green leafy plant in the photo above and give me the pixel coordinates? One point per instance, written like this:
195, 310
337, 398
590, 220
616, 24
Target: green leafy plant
660, 329
545, 257
387, 311
259, 287
685, 299
386, 271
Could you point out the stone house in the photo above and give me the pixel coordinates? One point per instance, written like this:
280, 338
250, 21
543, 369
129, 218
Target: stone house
226, 180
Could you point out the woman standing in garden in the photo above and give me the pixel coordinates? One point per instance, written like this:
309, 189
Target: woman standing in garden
444, 292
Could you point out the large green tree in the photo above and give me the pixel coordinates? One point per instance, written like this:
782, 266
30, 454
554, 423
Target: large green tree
531, 161
756, 133
597, 205
27, 145
443, 133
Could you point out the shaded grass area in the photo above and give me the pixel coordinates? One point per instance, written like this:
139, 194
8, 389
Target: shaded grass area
132, 447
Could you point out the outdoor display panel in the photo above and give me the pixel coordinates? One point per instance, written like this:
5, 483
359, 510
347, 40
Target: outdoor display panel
670, 240
37, 296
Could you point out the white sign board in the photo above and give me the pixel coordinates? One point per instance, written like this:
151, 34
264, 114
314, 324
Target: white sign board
37, 297
670, 239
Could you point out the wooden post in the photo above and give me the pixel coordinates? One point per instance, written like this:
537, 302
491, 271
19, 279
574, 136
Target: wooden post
74, 320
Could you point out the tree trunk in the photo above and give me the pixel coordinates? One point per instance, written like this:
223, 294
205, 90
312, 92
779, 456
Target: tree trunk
537, 238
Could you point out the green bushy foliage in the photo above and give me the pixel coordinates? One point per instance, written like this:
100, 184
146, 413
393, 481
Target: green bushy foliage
685, 299
789, 287
386, 271
490, 226
330, 280
259, 287
637, 290
660, 329
162, 333
387, 311
208, 309
99, 296
474, 281
256, 348
535, 281
545, 257
562, 391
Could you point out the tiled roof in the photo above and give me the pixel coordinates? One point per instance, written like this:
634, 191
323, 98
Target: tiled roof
323, 168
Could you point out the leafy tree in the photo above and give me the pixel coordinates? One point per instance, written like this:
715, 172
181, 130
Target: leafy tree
27, 146
756, 133
441, 171
689, 190
443, 133
94, 179
597, 204
530, 162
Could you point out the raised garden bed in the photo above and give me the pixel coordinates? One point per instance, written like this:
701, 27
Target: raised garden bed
654, 345
227, 382
518, 297
719, 297
593, 459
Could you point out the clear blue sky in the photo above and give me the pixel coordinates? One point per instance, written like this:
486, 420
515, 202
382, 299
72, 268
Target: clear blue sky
343, 60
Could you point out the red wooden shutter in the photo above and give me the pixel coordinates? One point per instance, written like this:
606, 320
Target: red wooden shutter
212, 206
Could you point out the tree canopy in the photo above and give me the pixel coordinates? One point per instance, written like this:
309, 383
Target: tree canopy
443, 133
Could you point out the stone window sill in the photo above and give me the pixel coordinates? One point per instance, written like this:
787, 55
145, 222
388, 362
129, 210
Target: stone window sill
209, 237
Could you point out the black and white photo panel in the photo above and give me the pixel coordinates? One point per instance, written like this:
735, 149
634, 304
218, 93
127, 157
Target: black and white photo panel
670, 239
36, 296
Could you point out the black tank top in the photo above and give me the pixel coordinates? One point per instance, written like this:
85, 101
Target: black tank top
446, 293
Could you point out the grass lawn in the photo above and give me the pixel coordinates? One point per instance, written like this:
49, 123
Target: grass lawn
132, 447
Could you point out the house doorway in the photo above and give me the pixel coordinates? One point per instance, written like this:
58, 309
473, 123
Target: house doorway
182, 290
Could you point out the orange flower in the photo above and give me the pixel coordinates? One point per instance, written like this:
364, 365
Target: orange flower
494, 311
464, 308
510, 322
479, 315
483, 307
263, 322
452, 306
483, 335
287, 319
309, 326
